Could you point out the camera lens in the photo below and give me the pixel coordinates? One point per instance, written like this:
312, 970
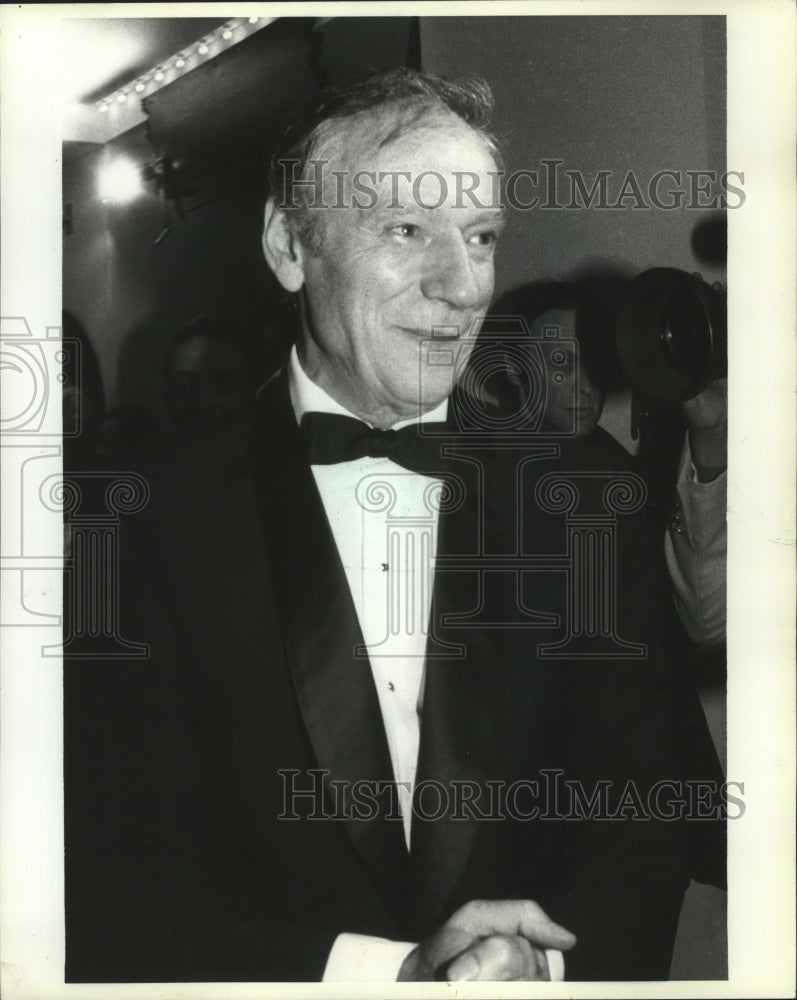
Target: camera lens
671, 335
685, 335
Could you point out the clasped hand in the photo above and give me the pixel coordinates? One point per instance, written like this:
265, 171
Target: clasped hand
491, 941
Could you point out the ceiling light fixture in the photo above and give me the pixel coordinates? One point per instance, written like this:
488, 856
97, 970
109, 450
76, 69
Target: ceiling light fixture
224, 37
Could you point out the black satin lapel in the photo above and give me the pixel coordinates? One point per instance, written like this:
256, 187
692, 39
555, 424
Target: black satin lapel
461, 709
335, 690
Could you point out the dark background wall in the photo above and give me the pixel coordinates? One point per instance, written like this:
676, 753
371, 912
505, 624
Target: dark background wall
618, 94
599, 93
131, 295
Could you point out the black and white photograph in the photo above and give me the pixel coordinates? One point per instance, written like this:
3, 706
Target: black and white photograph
398, 499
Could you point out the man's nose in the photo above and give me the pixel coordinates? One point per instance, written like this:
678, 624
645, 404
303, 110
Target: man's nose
450, 275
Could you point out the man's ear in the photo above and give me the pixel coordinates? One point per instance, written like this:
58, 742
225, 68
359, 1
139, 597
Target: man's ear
282, 249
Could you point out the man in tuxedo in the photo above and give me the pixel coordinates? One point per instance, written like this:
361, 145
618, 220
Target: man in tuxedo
338, 761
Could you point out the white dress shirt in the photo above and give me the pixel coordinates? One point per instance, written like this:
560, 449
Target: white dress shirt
384, 521
383, 528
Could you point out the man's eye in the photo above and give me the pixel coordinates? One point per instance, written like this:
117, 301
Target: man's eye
488, 238
407, 230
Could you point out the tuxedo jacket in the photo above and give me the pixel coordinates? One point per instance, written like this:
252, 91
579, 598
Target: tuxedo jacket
228, 798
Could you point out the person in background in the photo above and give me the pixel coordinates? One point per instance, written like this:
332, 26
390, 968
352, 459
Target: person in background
126, 435
696, 541
211, 374
207, 380
572, 331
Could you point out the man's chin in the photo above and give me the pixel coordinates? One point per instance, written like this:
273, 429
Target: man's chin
433, 391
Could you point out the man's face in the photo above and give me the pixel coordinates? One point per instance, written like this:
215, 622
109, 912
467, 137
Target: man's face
420, 258
574, 401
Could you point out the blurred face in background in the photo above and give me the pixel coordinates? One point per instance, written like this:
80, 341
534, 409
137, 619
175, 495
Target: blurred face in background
208, 385
574, 400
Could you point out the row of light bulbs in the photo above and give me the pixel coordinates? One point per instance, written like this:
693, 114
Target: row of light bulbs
228, 34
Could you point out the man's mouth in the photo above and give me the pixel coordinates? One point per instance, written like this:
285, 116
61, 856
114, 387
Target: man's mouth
437, 332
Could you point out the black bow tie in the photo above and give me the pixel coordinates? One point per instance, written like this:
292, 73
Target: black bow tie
333, 438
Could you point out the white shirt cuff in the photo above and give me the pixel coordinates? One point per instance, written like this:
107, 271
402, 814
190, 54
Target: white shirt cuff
556, 965
359, 958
